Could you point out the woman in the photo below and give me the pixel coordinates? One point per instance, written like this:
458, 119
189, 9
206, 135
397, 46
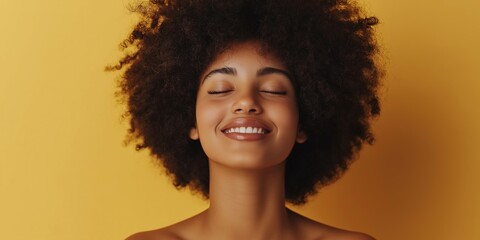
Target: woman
252, 104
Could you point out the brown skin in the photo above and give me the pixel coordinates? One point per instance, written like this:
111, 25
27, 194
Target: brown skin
247, 196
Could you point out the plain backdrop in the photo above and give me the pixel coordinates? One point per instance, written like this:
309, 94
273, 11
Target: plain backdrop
65, 173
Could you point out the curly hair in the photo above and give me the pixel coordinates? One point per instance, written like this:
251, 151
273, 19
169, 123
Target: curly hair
328, 46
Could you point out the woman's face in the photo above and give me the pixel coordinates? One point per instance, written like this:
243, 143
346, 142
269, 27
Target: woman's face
246, 112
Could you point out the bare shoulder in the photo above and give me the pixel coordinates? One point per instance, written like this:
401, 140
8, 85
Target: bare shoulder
159, 234
348, 235
318, 231
186, 229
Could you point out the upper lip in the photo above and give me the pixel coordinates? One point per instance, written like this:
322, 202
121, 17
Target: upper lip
247, 122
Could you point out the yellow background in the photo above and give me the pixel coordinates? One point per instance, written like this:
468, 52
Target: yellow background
64, 173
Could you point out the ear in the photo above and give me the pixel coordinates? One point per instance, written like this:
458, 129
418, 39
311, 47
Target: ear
193, 133
301, 137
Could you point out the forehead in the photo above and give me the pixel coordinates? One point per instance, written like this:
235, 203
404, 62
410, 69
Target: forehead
249, 53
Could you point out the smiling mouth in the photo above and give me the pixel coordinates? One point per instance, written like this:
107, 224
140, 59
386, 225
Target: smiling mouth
246, 130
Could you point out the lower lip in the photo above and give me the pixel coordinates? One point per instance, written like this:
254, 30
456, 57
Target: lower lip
245, 136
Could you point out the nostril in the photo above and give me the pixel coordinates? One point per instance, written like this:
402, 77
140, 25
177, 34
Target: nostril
247, 109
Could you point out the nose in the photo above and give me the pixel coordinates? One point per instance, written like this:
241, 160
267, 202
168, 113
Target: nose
247, 103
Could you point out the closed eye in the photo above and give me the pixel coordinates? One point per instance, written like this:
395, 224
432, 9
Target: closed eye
275, 92
219, 92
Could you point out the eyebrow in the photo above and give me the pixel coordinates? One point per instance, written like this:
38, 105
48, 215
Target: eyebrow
224, 70
270, 70
261, 72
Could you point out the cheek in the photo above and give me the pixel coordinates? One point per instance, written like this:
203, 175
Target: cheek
286, 115
208, 115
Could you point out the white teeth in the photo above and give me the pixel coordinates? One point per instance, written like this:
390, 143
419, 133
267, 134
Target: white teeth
248, 130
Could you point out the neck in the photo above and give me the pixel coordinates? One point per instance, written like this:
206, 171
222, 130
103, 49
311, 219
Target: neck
247, 204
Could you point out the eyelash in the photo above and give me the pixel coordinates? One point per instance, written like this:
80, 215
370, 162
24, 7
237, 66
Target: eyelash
219, 92
271, 92
275, 92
